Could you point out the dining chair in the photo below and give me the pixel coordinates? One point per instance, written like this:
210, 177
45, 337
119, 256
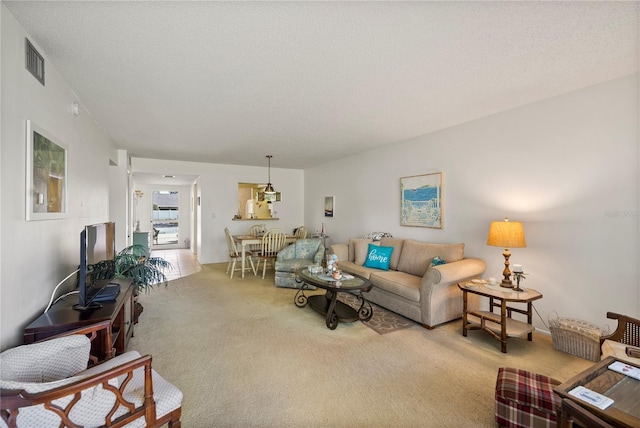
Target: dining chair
234, 255
256, 230
301, 232
272, 242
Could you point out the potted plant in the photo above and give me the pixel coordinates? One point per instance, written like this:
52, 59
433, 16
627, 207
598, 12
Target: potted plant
134, 262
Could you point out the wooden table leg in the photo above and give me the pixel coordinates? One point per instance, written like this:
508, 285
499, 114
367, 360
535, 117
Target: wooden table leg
244, 252
503, 325
464, 313
530, 319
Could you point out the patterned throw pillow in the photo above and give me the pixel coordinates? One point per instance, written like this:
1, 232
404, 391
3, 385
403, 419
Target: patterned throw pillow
378, 257
377, 236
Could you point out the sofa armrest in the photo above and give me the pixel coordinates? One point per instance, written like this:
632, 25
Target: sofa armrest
287, 253
319, 256
340, 250
454, 272
440, 296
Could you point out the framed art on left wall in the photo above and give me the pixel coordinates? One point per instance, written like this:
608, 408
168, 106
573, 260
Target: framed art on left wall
46, 186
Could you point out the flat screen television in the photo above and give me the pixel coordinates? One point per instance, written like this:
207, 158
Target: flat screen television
96, 271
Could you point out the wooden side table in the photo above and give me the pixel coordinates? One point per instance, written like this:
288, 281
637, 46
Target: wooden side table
499, 326
625, 410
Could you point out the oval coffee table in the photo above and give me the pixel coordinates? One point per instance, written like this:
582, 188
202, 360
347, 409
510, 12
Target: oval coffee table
328, 303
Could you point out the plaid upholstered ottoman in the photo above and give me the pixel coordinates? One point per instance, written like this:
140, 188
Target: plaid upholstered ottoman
525, 399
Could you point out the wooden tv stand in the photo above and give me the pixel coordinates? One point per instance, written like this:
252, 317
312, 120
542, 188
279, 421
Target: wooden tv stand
62, 317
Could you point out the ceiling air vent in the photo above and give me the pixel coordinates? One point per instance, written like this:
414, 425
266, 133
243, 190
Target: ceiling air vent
34, 62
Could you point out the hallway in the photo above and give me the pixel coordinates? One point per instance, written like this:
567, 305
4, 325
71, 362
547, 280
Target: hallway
183, 260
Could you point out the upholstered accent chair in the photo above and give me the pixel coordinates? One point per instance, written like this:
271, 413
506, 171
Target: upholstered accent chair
300, 254
526, 400
48, 384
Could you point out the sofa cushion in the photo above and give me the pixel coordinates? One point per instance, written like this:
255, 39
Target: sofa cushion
417, 256
352, 248
292, 265
378, 257
396, 243
361, 249
351, 267
399, 283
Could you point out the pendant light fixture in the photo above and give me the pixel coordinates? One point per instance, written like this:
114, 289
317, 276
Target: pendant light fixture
269, 190
270, 194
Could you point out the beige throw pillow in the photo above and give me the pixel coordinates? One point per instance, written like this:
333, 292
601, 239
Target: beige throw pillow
361, 250
352, 248
416, 256
396, 243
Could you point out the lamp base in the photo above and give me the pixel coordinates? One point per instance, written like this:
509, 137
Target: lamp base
506, 283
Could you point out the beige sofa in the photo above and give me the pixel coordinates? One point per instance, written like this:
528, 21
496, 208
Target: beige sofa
412, 287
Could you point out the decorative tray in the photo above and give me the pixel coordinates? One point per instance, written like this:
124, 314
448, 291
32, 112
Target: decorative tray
330, 278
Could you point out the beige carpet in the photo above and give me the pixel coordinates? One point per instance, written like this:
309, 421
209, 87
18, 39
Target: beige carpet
245, 356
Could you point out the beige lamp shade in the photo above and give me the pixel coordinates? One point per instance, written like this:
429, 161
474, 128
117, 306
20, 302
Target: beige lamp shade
506, 234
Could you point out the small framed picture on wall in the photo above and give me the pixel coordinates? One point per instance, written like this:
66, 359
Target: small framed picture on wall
329, 206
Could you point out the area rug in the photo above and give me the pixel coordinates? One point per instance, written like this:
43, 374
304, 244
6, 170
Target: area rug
382, 321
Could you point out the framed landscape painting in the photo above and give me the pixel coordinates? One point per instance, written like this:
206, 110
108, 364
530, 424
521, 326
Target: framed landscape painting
421, 200
46, 175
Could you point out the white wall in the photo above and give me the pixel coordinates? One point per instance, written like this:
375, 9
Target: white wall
119, 196
36, 255
218, 190
567, 167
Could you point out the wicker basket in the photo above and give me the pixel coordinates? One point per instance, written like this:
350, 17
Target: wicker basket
576, 337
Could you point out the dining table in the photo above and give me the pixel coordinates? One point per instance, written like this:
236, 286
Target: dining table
245, 240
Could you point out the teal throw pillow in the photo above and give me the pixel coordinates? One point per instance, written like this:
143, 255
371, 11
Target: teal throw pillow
437, 261
378, 257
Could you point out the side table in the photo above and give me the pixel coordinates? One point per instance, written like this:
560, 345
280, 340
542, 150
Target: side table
623, 390
499, 326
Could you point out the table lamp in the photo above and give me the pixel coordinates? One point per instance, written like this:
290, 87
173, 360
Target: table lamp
507, 234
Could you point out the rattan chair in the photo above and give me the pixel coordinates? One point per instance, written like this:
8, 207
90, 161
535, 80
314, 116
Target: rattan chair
272, 242
234, 255
627, 331
48, 384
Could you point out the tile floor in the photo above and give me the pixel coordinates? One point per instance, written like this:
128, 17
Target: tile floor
184, 262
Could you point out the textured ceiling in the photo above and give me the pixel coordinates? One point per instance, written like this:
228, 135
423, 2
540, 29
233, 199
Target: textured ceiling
307, 82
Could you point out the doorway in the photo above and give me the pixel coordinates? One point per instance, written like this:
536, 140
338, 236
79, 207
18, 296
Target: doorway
166, 218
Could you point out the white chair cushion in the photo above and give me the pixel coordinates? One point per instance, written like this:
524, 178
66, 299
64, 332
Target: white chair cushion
47, 361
